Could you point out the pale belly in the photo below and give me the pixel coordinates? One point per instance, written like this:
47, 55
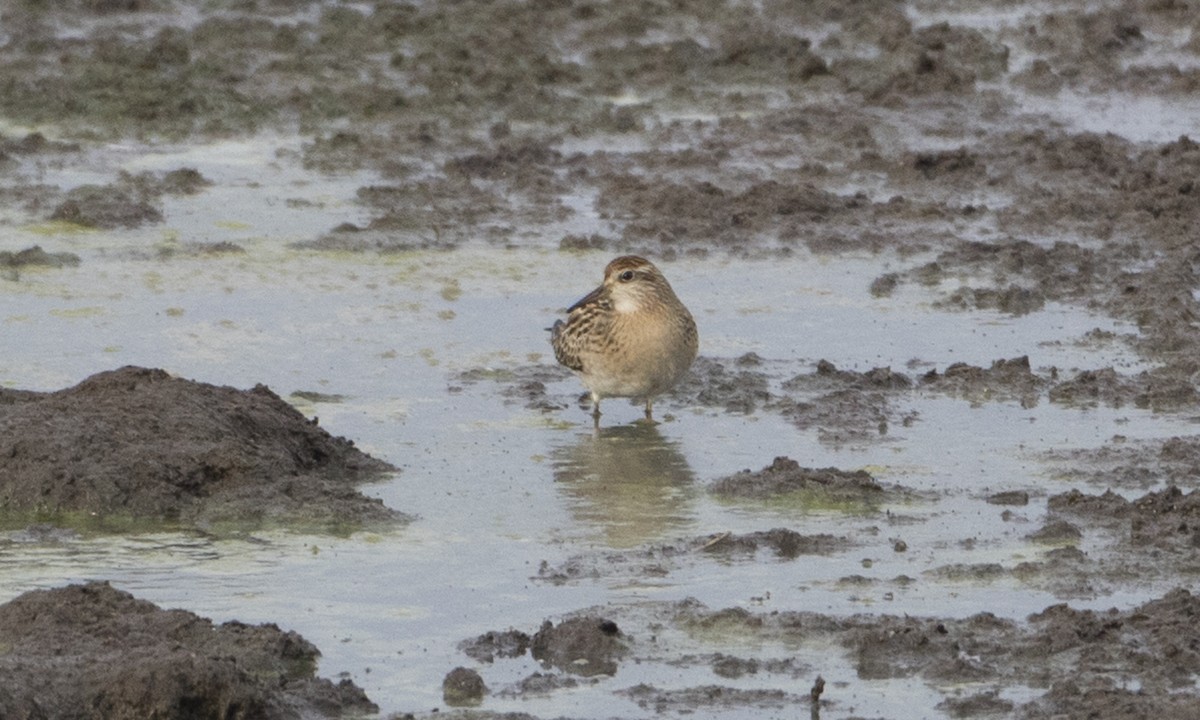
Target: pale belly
638, 372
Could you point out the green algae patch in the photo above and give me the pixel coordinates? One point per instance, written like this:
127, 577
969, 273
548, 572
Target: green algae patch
58, 524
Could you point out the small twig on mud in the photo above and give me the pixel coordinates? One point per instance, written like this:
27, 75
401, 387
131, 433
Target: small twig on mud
718, 539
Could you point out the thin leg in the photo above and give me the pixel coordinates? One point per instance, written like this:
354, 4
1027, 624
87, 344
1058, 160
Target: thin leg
650, 411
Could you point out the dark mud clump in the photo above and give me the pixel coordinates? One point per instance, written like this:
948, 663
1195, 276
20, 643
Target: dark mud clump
35, 256
1163, 389
582, 648
463, 686
139, 443
739, 387
491, 645
438, 214
785, 476
106, 207
1009, 497
1006, 379
844, 406
1056, 531
1154, 643
86, 651
586, 645
11, 263
1166, 519
129, 202
782, 542
1109, 506
33, 144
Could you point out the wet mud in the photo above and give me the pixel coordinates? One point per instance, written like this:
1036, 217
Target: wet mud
1064, 656
136, 445
907, 131
658, 561
11, 263
785, 475
86, 651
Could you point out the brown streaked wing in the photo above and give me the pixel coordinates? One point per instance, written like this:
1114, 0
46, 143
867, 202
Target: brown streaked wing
565, 351
586, 320
594, 296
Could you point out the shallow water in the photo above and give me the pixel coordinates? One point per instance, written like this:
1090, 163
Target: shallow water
500, 489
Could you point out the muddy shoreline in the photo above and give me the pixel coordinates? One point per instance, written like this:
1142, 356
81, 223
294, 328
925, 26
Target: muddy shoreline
948, 141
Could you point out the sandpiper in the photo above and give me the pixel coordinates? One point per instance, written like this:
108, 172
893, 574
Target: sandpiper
630, 337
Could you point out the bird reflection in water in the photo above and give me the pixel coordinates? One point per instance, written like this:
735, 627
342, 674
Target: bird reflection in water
628, 482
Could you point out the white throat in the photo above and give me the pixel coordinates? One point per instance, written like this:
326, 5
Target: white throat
625, 305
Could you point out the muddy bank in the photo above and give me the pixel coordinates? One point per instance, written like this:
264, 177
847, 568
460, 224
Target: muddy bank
139, 444
86, 651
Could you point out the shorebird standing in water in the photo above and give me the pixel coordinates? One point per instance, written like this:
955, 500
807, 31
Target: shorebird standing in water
630, 337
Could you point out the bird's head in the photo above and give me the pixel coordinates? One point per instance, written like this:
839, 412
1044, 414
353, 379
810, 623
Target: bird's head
633, 283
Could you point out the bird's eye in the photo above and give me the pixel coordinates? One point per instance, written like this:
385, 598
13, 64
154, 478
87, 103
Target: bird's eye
626, 276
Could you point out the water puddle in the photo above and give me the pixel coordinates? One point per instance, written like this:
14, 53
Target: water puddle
502, 491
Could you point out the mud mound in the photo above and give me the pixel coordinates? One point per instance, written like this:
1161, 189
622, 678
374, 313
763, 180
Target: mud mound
105, 207
87, 651
586, 645
487, 647
11, 263
738, 387
36, 256
1006, 379
784, 542
463, 686
843, 406
1166, 519
138, 442
785, 475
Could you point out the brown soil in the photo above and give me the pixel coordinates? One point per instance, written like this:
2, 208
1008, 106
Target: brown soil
139, 444
91, 651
